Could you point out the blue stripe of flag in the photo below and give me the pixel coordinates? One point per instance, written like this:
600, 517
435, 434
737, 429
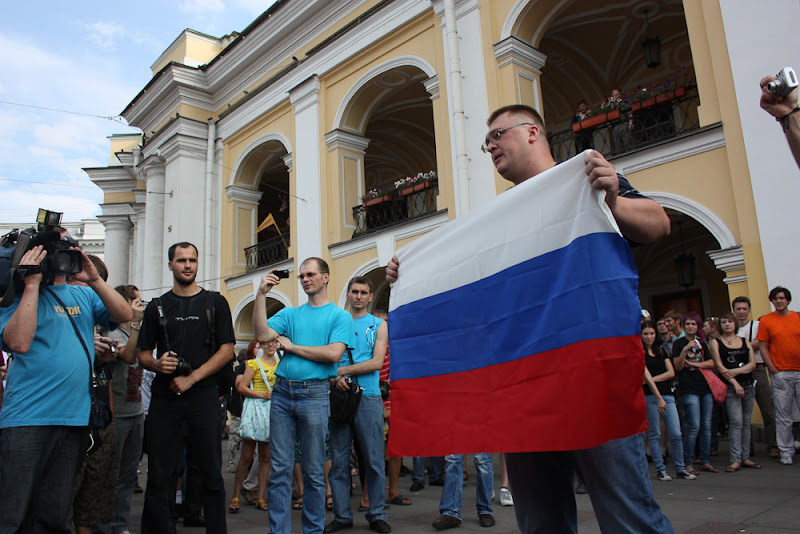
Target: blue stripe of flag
586, 290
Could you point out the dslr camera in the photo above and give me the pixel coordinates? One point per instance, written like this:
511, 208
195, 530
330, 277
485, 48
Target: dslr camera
783, 84
59, 260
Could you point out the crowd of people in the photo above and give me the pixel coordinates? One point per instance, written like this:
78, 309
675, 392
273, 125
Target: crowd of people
708, 375
165, 370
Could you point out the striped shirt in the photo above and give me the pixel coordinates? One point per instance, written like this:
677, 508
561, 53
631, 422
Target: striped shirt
782, 332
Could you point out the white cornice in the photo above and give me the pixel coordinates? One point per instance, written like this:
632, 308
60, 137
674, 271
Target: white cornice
346, 140
183, 137
432, 86
411, 229
176, 85
115, 211
512, 50
240, 194
728, 259
112, 179
305, 94
710, 138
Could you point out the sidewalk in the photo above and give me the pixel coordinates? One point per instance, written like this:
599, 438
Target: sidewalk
765, 501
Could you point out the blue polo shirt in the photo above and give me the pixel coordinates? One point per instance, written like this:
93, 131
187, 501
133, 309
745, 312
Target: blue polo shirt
312, 327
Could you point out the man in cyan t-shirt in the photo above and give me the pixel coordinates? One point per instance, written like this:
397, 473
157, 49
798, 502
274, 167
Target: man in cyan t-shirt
45, 409
371, 341
779, 342
313, 336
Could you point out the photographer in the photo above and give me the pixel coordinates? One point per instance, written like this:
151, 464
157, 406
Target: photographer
192, 331
46, 407
786, 112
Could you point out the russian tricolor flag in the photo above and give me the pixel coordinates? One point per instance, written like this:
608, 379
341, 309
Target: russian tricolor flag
516, 327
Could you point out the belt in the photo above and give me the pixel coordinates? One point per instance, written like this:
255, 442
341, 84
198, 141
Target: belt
760, 364
301, 383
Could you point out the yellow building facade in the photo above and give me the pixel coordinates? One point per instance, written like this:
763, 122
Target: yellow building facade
285, 141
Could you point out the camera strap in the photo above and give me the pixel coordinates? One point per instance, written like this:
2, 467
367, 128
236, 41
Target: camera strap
92, 377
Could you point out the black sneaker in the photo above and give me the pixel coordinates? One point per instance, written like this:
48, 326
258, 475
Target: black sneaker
416, 486
379, 525
445, 521
336, 526
685, 474
486, 520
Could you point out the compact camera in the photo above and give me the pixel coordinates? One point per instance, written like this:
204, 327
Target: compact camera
282, 274
59, 260
783, 84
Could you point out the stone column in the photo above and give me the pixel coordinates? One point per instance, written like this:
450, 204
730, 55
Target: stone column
136, 275
308, 183
117, 248
154, 256
348, 150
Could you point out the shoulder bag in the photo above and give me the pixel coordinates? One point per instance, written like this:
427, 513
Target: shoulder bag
344, 404
719, 389
100, 412
255, 413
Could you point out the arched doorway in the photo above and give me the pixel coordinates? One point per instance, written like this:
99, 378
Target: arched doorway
659, 286
591, 48
385, 134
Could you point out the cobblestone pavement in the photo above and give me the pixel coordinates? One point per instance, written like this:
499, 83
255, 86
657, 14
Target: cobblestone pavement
765, 501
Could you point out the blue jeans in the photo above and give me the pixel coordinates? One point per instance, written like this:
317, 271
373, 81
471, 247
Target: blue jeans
435, 469
368, 429
37, 469
673, 425
615, 474
300, 410
698, 423
739, 412
453, 490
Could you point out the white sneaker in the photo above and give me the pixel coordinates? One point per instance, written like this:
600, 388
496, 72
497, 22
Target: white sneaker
686, 475
663, 476
505, 497
786, 458
797, 445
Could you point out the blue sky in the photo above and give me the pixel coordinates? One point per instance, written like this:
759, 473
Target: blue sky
86, 57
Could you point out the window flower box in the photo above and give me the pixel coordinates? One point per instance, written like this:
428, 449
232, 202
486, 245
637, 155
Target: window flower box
416, 188
376, 200
591, 122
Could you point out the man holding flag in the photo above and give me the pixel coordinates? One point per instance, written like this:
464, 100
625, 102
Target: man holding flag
612, 463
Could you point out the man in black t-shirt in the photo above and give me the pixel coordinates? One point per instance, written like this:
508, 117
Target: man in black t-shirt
189, 354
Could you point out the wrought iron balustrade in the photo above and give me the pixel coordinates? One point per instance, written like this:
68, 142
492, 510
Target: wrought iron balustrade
639, 125
273, 250
395, 207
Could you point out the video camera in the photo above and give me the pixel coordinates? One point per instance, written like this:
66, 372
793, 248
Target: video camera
59, 260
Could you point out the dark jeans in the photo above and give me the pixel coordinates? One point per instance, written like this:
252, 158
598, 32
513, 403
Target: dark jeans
37, 470
198, 410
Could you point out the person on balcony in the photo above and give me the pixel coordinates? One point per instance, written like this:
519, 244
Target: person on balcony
583, 138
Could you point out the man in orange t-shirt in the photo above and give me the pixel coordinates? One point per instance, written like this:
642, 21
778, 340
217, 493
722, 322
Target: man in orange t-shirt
779, 343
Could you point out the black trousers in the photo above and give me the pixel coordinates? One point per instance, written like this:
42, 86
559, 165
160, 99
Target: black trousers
196, 413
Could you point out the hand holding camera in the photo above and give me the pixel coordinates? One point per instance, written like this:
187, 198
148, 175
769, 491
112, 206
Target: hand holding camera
779, 94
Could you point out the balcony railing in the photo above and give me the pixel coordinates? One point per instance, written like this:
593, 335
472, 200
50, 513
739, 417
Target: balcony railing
638, 126
395, 207
273, 250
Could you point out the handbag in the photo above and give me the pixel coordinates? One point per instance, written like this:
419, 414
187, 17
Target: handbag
255, 414
719, 389
344, 404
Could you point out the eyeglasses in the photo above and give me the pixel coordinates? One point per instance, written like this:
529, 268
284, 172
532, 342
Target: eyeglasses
494, 135
270, 342
303, 276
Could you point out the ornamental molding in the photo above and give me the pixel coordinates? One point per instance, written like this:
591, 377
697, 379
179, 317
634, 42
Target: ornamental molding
513, 50
337, 139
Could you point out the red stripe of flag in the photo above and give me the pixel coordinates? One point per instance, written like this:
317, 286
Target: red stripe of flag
571, 398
